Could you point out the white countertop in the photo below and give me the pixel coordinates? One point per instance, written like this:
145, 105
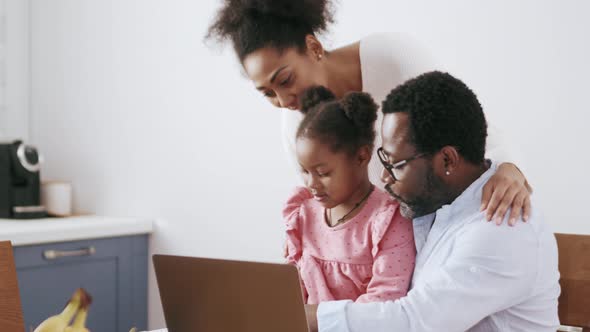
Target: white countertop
47, 230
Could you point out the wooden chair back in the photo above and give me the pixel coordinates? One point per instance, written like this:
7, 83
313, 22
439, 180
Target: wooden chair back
11, 315
574, 267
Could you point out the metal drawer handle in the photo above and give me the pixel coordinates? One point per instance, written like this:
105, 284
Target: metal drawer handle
55, 254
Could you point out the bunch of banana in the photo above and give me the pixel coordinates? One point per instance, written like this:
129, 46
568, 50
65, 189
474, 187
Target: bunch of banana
79, 302
79, 324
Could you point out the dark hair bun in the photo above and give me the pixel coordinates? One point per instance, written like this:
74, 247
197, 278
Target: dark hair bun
314, 96
360, 108
314, 14
253, 24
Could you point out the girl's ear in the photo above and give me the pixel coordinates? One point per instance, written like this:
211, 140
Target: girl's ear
363, 155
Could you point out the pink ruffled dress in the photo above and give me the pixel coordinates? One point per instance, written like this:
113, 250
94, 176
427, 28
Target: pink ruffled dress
369, 258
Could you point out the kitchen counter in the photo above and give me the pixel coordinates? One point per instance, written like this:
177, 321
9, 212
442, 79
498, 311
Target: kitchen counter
50, 230
107, 256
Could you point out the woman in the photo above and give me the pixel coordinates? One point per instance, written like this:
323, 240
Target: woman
276, 43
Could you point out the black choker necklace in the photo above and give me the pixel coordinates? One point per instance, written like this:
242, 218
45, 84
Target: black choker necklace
341, 220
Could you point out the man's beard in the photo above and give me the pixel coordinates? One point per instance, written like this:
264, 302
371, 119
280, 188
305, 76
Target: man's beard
433, 195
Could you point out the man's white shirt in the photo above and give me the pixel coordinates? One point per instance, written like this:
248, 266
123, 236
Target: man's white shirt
470, 275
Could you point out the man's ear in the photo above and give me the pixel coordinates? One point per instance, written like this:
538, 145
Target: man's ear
448, 161
314, 47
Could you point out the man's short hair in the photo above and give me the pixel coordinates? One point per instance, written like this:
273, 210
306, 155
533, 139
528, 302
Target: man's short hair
442, 111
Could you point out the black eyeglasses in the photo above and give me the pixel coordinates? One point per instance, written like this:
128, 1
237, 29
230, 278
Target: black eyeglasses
392, 169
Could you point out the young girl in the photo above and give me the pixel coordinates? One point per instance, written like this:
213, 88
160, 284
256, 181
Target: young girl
346, 236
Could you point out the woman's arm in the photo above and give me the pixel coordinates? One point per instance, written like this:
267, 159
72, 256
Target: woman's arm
508, 188
289, 123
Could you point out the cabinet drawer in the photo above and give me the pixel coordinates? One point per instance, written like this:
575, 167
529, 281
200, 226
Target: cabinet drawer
113, 270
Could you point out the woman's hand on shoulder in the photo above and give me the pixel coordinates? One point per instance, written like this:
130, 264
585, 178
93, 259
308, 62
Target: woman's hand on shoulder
507, 189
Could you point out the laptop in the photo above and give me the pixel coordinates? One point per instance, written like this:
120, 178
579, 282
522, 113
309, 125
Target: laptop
214, 295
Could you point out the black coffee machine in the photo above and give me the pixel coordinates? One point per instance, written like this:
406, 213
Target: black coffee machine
20, 196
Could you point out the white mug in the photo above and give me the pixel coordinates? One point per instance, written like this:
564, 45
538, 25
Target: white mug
56, 196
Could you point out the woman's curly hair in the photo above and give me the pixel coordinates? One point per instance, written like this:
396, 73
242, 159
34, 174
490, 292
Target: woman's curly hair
254, 24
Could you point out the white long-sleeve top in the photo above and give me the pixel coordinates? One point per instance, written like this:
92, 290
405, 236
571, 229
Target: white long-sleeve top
388, 60
470, 275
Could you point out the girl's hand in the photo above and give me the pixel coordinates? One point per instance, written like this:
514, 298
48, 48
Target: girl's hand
508, 188
311, 315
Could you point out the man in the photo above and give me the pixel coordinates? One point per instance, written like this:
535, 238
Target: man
469, 275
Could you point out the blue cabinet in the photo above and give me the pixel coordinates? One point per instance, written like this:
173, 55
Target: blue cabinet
112, 270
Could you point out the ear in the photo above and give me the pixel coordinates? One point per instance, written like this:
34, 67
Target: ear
314, 47
363, 155
447, 161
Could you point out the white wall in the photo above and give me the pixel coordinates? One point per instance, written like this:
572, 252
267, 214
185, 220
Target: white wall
129, 105
528, 62
14, 69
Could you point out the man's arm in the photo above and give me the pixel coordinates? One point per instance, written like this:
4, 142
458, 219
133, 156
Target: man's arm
479, 279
